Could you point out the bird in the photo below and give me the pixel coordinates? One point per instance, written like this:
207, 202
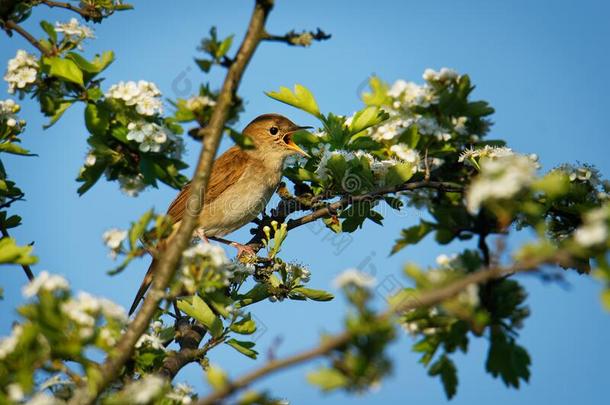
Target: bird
241, 183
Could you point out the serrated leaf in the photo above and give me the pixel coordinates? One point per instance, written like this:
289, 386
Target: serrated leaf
96, 120
366, 118
199, 310
11, 253
411, 236
327, 379
445, 368
58, 113
379, 92
65, 69
245, 326
244, 348
217, 378
300, 98
316, 295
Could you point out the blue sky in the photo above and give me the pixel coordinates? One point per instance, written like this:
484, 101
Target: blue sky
541, 64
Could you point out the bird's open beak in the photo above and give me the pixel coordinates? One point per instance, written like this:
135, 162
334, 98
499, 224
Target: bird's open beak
291, 145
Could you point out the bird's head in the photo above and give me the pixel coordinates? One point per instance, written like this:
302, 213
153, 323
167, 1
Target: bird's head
272, 133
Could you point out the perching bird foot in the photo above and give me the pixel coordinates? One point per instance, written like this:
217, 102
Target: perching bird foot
243, 250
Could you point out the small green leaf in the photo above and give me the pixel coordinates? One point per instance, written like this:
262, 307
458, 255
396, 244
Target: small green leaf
445, 368
13, 148
244, 348
411, 236
97, 120
199, 310
366, 118
50, 30
379, 92
59, 111
11, 253
138, 228
316, 295
65, 69
246, 326
217, 378
224, 47
301, 98
327, 379
399, 174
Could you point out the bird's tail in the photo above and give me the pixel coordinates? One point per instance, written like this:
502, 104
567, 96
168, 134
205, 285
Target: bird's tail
143, 287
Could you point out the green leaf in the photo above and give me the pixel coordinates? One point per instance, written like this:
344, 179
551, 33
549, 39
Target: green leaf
258, 293
327, 379
13, 148
11, 253
246, 326
244, 348
224, 47
301, 98
199, 310
445, 368
97, 120
399, 174
366, 118
316, 295
379, 92
49, 29
217, 378
411, 236
65, 69
98, 64
507, 359
59, 111
410, 137
204, 64
138, 228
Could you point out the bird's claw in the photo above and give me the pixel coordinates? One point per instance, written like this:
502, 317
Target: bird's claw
244, 251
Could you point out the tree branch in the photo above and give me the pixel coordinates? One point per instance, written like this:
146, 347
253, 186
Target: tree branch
166, 266
285, 208
329, 344
13, 26
85, 13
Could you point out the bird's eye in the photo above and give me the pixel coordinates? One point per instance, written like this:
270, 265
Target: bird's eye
273, 130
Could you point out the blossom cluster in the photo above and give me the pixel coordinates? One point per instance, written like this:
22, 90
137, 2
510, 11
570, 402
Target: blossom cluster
197, 103
500, 178
594, 230
356, 278
8, 108
406, 97
145, 96
21, 71
74, 31
149, 135
205, 266
86, 309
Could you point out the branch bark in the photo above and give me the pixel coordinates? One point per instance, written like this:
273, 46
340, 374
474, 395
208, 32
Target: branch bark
334, 342
83, 12
166, 266
13, 26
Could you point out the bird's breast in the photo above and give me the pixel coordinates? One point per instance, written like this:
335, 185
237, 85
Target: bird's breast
240, 203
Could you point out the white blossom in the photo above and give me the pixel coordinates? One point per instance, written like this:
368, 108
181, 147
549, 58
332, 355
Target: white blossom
45, 282
9, 343
44, 399
144, 95
8, 108
152, 341
74, 30
444, 260
594, 229
459, 125
149, 135
354, 277
114, 237
145, 390
403, 152
214, 253
22, 70
487, 151
470, 296
132, 185
182, 393
444, 75
15, 392
500, 178
197, 103
90, 159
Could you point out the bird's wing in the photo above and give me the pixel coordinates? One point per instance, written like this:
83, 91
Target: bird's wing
227, 169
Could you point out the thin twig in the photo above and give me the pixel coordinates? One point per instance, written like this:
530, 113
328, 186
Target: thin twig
344, 202
83, 12
165, 267
294, 38
13, 26
329, 344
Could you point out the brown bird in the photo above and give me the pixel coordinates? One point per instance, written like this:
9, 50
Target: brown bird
241, 183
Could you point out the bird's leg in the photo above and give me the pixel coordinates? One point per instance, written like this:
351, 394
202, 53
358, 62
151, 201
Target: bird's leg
200, 233
241, 249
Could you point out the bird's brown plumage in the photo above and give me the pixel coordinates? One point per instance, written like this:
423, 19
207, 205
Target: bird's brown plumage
227, 171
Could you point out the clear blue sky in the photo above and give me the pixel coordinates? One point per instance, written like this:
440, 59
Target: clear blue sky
541, 64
